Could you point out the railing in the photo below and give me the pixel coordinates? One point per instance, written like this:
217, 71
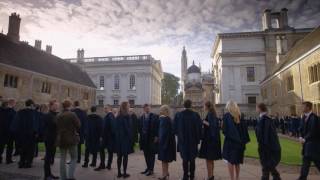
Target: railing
111, 58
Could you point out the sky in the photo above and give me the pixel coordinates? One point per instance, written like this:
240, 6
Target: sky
156, 27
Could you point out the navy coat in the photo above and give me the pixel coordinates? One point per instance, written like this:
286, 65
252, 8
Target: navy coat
311, 134
211, 143
236, 138
167, 141
94, 133
187, 127
108, 131
82, 116
268, 142
7, 116
149, 130
50, 128
124, 139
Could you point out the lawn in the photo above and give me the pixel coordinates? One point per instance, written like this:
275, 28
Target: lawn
291, 150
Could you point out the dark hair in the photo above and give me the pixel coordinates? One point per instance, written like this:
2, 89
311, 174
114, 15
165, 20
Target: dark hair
124, 108
262, 107
308, 104
66, 104
211, 108
146, 105
29, 103
93, 109
187, 103
76, 103
52, 102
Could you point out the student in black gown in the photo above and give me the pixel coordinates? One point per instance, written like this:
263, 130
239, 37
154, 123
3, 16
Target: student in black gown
236, 138
187, 127
49, 138
268, 144
167, 141
124, 144
148, 130
310, 139
211, 144
25, 126
93, 137
82, 116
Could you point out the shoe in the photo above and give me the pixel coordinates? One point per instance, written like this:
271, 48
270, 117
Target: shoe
126, 175
93, 165
85, 165
212, 178
9, 161
109, 167
100, 168
54, 177
145, 172
164, 177
149, 173
119, 175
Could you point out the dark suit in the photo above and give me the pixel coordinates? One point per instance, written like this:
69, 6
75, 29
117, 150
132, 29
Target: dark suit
311, 147
148, 129
82, 116
6, 136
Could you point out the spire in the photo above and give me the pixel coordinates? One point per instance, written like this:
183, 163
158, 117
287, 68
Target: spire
193, 62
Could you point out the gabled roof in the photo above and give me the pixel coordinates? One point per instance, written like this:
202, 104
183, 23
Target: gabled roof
22, 55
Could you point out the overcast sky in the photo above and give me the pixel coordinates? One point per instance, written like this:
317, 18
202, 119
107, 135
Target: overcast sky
157, 27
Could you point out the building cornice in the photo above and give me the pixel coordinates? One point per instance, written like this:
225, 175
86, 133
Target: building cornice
241, 54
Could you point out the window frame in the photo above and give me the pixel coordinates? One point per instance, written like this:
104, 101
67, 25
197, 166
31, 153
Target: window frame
251, 74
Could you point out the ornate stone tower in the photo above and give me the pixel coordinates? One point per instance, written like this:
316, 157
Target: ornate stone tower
14, 27
184, 66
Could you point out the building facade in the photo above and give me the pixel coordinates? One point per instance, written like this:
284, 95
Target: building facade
295, 79
136, 79
242, 60
29, 72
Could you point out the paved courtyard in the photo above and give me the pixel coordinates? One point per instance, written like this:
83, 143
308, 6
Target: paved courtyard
249, 171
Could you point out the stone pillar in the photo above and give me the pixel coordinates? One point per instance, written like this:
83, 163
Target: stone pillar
266, 19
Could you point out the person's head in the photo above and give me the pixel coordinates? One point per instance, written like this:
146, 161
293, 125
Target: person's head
233, 108
29, 103
53, 106
11, 103
210, 108
261, 108
124, 108
66, 105
164, 110
44, 108
93, 109
307, 106
146, 108
187, 104
107, 108
76, 103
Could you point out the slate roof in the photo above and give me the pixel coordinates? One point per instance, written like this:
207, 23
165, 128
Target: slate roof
24, 56
193, 69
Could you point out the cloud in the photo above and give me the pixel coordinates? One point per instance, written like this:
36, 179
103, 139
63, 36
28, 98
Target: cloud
156, 27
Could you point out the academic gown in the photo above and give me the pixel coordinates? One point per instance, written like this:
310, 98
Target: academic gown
124, 139
93, 133
187, 127
268, 142
82, 116
109, 132
50, 128
167, 141
211, 144
148, 130
311, 134
236, 138
7, 116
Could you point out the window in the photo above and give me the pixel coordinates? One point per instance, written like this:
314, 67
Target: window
117, 82
252, 100
86, 95
46, 87
132, 82
131, 102
250, 74
100, 102
68, 92
290, 83
101, 82
116, 102
10, 81
314, 73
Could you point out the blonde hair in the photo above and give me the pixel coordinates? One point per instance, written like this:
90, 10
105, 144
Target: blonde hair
164, 110
233, 108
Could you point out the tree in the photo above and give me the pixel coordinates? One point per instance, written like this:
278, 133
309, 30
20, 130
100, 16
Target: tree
169, 89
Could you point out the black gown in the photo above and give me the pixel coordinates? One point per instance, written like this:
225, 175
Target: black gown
211, 143
167, 142
94, 133
124, 139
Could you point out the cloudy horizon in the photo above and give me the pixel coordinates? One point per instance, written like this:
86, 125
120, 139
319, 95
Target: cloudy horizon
156, 27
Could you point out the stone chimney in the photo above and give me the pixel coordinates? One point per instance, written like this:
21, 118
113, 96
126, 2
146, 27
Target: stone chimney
49, 49
284, 18
80, 54
37, 44
14, 27
266, 19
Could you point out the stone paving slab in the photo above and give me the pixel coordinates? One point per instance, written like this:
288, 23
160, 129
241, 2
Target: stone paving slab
249, 171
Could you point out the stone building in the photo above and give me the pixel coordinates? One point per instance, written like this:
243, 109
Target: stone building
241, 60
296, 78
196, 85
29, 72
136, 78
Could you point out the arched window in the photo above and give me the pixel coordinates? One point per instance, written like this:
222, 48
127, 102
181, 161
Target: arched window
117, 82
132, 82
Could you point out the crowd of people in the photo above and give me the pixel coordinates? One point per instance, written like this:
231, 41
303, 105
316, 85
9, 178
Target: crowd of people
69, 127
